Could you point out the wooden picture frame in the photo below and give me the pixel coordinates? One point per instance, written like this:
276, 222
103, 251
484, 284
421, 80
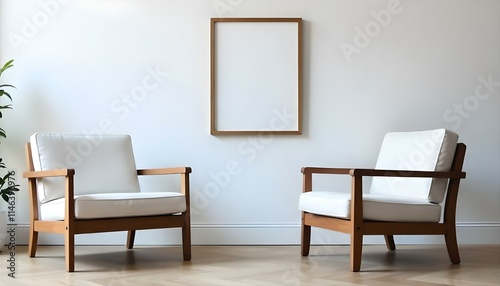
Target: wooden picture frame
255, 76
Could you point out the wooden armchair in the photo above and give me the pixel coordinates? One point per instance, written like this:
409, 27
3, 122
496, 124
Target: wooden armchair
415, 171
89, 183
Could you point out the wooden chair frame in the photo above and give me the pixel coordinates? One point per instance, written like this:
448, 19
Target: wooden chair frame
72, 226
357, 227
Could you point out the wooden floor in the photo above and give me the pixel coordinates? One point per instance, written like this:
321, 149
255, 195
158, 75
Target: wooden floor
253, 265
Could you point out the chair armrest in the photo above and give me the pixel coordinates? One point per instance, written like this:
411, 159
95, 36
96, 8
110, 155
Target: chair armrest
383, 173
164, 171
322, 170
407, 173
182, 171
359, 173
48, 173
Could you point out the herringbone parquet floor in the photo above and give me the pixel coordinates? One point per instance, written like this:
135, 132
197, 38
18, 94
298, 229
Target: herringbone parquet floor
252, 265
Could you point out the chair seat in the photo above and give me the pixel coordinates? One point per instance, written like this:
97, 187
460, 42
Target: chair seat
107, 205
375, 207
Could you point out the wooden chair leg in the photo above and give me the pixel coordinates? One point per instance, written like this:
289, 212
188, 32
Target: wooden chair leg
305, 244
69, 244
452, 247
186, 242
130, 239
33, 242
389, 241
356, 251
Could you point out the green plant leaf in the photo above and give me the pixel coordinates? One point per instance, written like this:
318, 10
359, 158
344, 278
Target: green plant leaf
6, 177
8, 95
5, 180
6, 66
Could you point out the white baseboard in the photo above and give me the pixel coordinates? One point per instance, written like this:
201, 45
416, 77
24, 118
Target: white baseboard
259, 234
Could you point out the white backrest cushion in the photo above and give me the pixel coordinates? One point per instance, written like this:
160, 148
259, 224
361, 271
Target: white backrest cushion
102, 163
431, 150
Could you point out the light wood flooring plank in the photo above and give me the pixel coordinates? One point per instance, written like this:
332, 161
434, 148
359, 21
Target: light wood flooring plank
253, 265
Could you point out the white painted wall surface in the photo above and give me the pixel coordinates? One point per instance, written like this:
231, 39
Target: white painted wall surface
142, 67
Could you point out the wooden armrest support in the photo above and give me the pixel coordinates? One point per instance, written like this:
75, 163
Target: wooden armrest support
321, 170
49, 173
406, 173
164, 171
383, 173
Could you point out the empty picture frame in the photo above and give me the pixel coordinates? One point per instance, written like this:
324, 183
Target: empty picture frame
256, 76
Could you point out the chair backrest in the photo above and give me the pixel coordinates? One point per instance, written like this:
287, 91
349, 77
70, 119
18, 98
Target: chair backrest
431, 150
102, 163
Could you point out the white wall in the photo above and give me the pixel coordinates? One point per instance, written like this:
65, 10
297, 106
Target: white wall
423, 66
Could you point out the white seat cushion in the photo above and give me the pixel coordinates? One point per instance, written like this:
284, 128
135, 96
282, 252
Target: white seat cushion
116, 205
375, 207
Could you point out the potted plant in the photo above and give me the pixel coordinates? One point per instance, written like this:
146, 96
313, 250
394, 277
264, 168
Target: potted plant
7, 182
